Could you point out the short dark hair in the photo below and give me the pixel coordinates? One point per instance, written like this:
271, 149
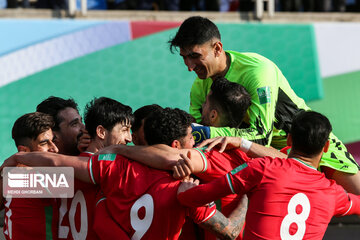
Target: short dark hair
231, 100
193, 31
106, 112
166, 125
142, 113
29, 126
309, 131
53, 105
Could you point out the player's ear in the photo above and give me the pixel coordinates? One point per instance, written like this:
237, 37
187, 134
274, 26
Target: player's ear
326, 146
213, 117
176, 144
22, 148
289, 140
218, 48
101, 132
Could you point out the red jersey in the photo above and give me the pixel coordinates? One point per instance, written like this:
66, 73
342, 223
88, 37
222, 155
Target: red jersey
142, 200
76, 215
104, 226
217, 165
28, 218
286, 198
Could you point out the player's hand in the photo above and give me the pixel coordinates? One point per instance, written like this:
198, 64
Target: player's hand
225, 143
84, 141
187, 184
183, 167
200, 132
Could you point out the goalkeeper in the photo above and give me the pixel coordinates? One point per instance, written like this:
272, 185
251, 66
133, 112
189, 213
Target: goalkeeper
273, 102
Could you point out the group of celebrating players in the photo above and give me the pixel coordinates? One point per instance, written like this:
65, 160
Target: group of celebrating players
247, 111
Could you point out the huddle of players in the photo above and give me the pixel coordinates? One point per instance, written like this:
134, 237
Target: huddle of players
111, 196
107, 122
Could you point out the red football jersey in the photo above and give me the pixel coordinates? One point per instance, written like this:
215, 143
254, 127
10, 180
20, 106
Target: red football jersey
287, 198
28, 218
76, 215
217, 165
142, 200
104, 225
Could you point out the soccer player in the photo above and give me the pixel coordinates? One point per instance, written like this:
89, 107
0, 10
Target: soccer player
68, 123
274, 103
225, 105
286, 195
31, 218
108, 122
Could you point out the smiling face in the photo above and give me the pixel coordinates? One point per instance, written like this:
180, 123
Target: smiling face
70, 130
119, 134
43, 143
203, 59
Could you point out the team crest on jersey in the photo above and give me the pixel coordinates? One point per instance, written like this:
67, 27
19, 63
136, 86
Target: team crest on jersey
107, 157
264, 94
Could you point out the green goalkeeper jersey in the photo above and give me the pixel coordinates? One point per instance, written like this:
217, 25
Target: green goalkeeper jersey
273, 105
273, 102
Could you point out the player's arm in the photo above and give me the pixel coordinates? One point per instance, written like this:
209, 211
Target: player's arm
48, 159
250, 148
158, 156
193, 195
355, 204
228, 228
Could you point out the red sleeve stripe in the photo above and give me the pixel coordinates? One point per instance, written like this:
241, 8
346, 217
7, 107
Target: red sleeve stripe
230, 183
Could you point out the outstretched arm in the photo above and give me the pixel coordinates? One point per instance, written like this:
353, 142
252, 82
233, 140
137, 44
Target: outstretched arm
157, 156
48, 159
252, 149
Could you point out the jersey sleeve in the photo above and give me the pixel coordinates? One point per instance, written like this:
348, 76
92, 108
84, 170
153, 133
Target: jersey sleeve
25, 219
262, 85
202, 214
346, 203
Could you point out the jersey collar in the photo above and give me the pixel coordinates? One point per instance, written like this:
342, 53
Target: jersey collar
303, 163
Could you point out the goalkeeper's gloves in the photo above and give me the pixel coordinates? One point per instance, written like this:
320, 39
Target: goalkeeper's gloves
200, 132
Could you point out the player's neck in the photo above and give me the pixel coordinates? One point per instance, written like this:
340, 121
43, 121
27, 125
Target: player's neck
312, 161
95, 146
223, 68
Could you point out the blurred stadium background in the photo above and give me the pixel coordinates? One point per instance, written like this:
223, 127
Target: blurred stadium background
124, 55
